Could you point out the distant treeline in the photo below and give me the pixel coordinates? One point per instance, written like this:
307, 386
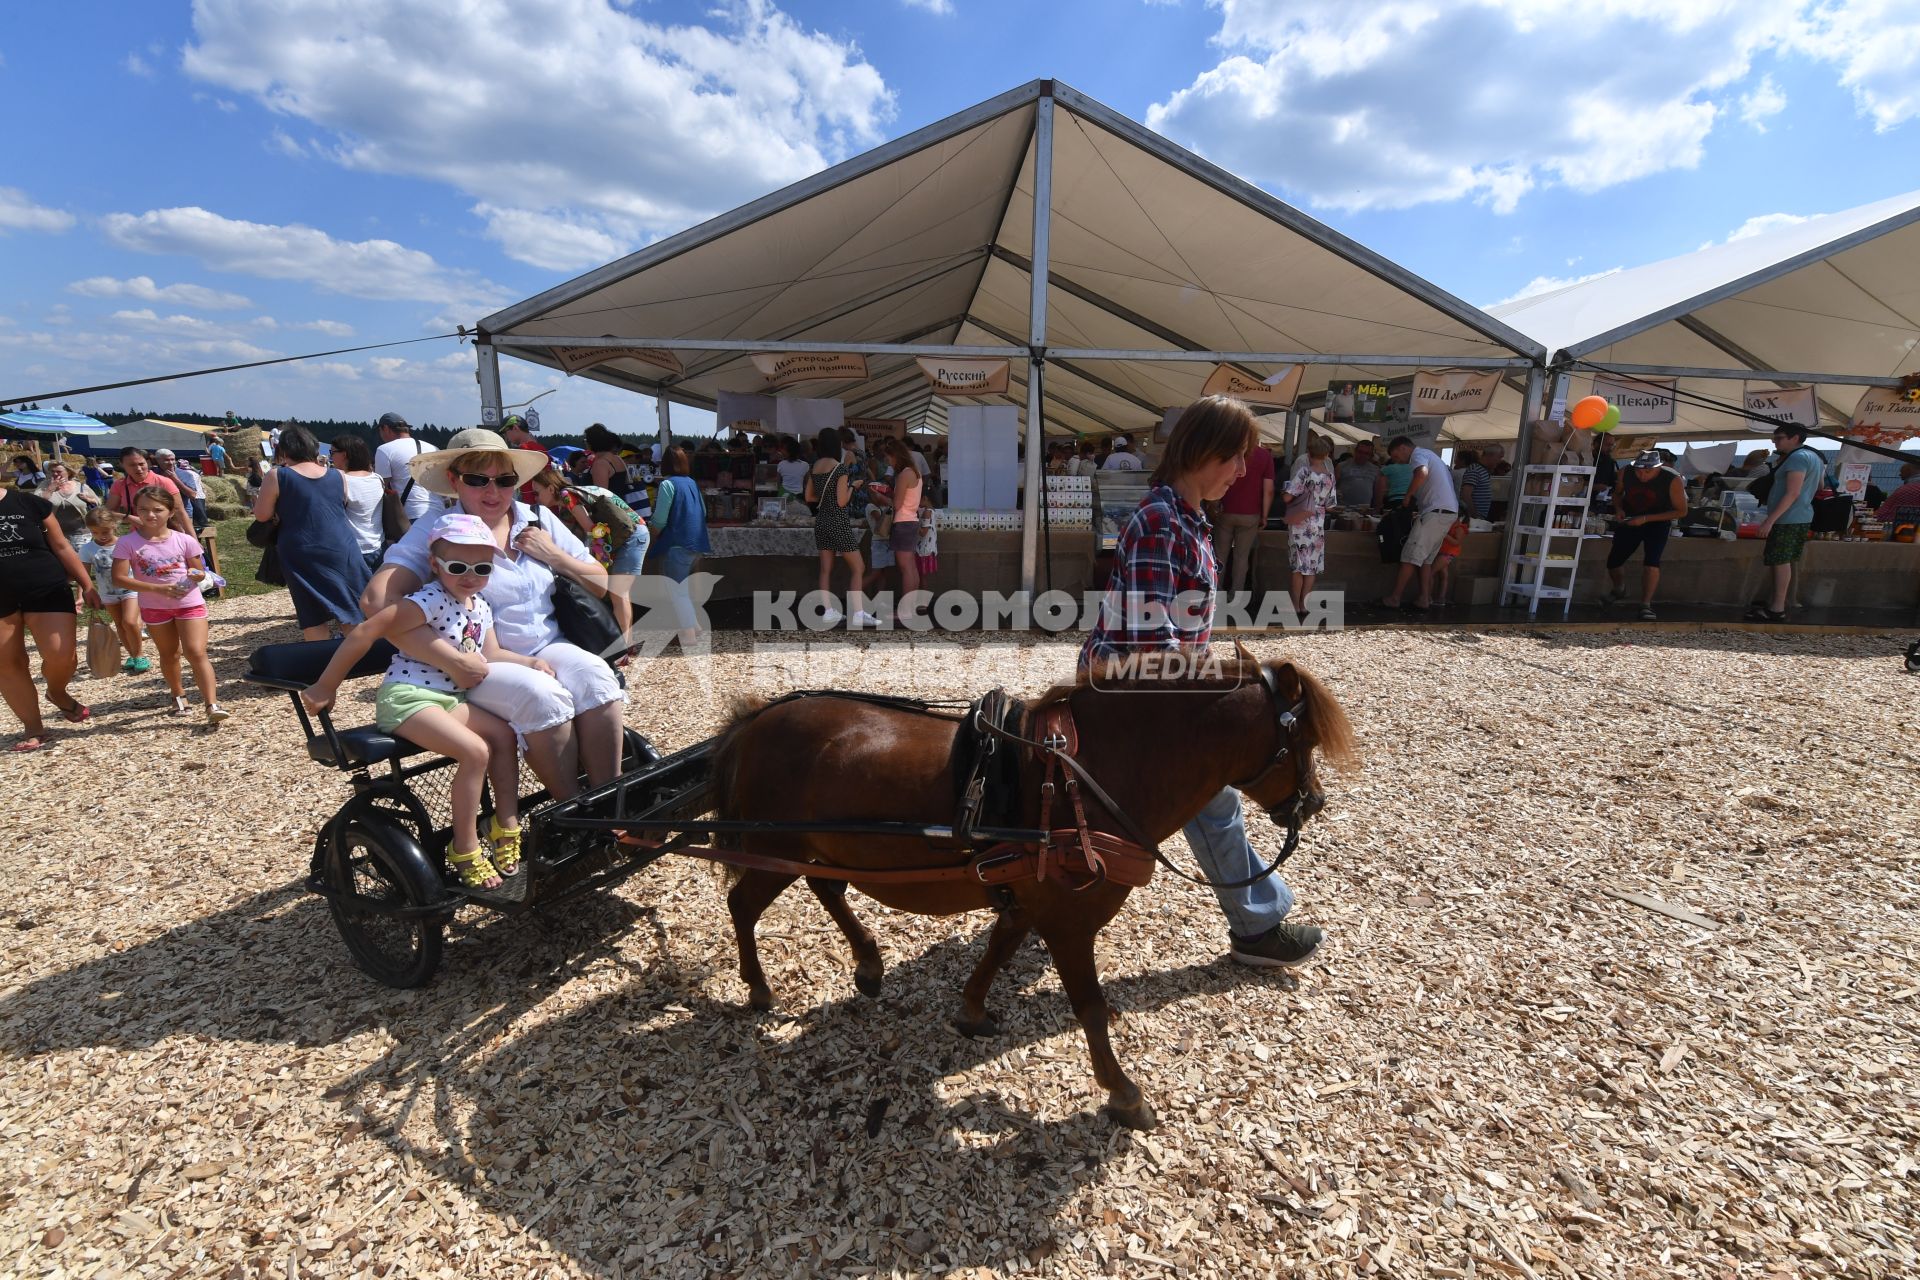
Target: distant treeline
327, 429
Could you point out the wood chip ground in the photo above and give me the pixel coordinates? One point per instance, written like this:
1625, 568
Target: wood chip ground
1622, 982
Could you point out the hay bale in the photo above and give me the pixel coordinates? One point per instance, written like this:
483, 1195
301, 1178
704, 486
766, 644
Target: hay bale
223, 490
242, 445
217, 511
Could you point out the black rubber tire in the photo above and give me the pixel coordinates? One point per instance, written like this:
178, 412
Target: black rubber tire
379, 861
1913, 658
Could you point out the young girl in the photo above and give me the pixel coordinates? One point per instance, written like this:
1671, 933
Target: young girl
420, 703
120, 609
167, 567
1443, 563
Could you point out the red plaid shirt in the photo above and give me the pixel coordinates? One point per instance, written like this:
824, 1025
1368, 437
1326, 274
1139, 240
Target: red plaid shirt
1161, 593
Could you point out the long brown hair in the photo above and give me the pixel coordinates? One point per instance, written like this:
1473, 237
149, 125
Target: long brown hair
1213, 429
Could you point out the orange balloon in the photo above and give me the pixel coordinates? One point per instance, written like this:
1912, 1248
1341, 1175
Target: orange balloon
1587, 413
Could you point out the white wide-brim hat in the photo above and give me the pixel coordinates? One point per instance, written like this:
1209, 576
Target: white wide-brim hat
430, 470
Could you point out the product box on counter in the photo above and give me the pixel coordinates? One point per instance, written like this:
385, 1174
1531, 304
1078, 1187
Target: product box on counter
1070, 484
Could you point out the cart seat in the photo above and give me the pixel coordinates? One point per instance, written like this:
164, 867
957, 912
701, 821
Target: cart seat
361, 747
296, 665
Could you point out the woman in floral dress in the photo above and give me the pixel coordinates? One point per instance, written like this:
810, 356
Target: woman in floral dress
1313, 485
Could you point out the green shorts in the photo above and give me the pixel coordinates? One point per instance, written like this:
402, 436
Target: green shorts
396, 702
1785, 542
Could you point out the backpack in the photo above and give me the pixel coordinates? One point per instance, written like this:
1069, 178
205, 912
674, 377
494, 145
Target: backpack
610, 509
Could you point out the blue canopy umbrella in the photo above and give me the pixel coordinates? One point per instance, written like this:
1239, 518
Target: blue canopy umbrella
565, 453
58, 423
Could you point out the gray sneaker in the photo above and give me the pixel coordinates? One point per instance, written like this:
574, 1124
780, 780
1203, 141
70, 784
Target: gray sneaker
1285, 946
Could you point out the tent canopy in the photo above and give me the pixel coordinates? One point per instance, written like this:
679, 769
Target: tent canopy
928, 245
1834, 299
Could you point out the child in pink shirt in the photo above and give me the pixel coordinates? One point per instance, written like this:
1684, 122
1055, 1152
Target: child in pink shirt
167, 567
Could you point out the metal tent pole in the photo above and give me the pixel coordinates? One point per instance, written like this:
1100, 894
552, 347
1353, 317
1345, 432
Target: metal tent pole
1037, 340
489, 379
1532, 406
665, 413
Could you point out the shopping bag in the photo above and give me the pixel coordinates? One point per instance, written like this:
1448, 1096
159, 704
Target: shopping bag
103, 648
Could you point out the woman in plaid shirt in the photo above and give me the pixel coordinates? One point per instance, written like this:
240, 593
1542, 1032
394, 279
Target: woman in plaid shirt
1160, 598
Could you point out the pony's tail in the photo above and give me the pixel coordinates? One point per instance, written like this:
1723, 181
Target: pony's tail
1332, 731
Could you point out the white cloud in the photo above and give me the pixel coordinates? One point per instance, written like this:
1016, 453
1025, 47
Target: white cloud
1550, 284
555, 242
1760, 224
377, 269
1761, 105
1407, 101
1876, 44
139, 66
144, 289
931, 6
279, 141
620, 128
18, 213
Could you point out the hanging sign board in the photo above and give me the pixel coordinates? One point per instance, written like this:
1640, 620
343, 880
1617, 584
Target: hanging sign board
964, 377
1440, 392
1782, 405
1886, 416
1279, 390
783, 369
740, 412
574, 359
1363, 403
1854, 478
1641, 401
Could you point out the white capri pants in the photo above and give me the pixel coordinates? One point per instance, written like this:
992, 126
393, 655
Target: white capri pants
531, 701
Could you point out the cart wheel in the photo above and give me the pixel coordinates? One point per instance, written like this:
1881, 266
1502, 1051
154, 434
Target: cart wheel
1913, 657
380, 863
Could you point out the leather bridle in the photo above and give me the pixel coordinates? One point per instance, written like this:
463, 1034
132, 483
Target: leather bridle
1290, 719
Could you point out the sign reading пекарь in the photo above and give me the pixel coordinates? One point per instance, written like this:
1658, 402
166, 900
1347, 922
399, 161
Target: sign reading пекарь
1648, 401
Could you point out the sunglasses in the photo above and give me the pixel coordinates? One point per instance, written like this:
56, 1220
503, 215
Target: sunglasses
508, 481
460, 568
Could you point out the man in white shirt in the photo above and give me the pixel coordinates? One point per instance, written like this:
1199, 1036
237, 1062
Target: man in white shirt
1436, 505
397, 449
1122, 458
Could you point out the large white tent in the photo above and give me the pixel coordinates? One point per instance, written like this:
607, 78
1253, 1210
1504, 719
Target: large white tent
1039, 226
1833, 301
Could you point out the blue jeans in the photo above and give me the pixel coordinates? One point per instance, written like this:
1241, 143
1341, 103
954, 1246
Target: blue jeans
631, 557
1218, 838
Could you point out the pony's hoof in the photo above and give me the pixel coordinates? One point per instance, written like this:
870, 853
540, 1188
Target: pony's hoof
759, 999
868, 984
1138, 1116
981, 1028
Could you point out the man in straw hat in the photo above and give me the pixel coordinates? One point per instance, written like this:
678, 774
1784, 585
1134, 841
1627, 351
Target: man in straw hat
569, 720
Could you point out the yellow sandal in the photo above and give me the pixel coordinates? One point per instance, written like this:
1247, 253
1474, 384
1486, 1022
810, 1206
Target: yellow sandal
505, 842
474, 870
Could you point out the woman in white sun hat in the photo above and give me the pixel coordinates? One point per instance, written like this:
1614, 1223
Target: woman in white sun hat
570, 720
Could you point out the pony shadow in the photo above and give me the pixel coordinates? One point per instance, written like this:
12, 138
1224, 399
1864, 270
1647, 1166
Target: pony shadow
810, 1140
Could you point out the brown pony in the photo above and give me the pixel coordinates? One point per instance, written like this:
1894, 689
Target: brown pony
1161, 750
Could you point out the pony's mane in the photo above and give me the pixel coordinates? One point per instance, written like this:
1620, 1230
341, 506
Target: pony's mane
1234, 672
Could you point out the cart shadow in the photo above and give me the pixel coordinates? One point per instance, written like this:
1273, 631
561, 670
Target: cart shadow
793, 1132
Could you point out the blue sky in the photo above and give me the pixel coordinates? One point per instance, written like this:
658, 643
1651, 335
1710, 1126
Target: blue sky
207, 183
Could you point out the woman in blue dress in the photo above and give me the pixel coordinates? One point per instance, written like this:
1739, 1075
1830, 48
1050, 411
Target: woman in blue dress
319, 552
